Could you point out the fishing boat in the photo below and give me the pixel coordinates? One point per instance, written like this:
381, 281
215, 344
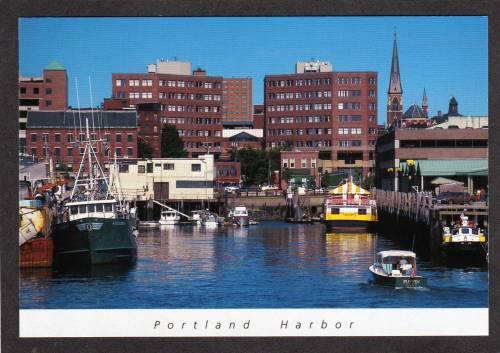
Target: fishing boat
349, 208
95, 227
464, 238
169, 217
209, 220
396, 268
239, 216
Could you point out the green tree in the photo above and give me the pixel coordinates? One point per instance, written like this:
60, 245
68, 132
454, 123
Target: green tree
171, 144
144, 150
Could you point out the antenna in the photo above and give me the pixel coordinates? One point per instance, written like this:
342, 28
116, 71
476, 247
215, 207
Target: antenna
91, 106
78, 103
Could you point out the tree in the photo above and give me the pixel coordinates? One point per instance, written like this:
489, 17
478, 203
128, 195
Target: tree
171, 144
144, 150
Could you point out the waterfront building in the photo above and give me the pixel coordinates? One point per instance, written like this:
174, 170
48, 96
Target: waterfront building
332, 112
410, 158
46, 92
192, 102
57, 135
173, 179
237, 100
300, 168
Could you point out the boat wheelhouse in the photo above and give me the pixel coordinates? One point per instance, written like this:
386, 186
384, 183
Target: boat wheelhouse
169, 217
396, 268
349, 207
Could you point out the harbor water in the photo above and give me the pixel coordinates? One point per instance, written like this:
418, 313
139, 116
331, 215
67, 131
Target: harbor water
270, 265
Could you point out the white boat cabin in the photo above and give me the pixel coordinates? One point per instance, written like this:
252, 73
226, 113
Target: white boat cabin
397, 262
240, 211
95, 208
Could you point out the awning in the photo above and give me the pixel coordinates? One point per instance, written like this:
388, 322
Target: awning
441, 180
350, 188
448, 167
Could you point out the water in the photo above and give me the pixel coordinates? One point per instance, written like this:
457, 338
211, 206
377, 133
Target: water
271, 265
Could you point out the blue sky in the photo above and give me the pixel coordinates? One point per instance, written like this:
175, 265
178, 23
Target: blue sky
446, 55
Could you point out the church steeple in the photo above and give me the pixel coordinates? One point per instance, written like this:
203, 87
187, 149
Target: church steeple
424, 103
395, 80
395, 91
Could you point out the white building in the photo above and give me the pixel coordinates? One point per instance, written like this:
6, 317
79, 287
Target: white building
166, 178
463, 122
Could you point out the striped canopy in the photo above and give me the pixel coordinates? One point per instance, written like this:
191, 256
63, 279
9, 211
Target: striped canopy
349, 188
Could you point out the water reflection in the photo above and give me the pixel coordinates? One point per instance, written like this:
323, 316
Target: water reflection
272, 264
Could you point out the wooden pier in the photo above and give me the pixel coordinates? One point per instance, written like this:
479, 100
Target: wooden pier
418, 217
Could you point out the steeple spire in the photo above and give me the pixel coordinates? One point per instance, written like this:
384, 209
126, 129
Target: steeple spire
424, 102
395, 80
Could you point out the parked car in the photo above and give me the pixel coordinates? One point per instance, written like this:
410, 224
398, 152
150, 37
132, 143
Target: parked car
269, 188
449, 197
232, 189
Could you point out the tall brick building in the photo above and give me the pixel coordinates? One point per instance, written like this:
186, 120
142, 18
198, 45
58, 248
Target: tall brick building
237, 100
334, 113
47, 92
193, 103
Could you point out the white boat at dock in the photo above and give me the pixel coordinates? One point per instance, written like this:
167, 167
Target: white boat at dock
239, 216
169, 217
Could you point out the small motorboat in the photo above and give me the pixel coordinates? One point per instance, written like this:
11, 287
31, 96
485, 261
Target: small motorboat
210, 220
169, 217
397, 268
239, 216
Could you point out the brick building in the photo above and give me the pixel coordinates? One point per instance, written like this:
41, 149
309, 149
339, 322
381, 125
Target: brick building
193, 103
258, 116
301, 167
237, 100
47, 92
56, 135
227, 173
456, 150
334, 113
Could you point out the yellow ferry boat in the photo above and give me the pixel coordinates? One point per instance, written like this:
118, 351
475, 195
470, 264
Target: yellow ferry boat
349, 207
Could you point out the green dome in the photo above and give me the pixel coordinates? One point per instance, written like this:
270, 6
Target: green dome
55, 65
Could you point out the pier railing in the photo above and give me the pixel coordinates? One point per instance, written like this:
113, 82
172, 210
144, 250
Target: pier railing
415, 205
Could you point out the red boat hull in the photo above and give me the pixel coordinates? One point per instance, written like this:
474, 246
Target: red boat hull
38, 252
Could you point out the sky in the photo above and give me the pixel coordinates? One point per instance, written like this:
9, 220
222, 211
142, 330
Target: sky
448, 56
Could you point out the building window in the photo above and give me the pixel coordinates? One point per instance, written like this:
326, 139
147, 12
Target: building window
313, 163
371, 93
285, 163
33, 137
48, 91
133, 82
141, 169
57, 152
147, 82
57, 138
168, 166
292, 163
22, 90
69, 152
303, 163
196, 167
45, 137
129, 151
371, 80
48, 103
36, 90
118, 138
129, 138
123, 168
106, 137
82, 151
118, 152
69, 137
